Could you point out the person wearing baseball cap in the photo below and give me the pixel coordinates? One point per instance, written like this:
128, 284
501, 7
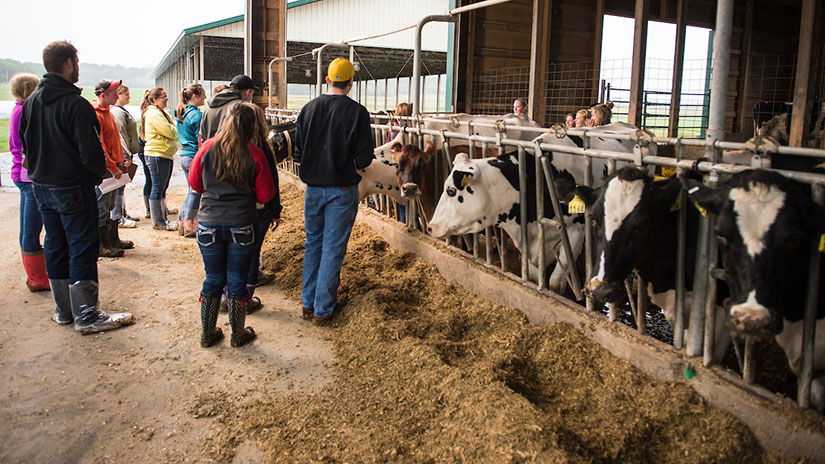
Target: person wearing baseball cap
333, 141
240, 89
110, 244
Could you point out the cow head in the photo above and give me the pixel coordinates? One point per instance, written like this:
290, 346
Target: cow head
469, 201
282, 137
765, 227
411, 162
627, 211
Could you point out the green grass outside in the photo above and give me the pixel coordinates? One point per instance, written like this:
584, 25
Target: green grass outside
4, 135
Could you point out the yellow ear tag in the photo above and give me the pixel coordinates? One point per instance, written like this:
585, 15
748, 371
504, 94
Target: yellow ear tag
668, 171
702, 211
677, 204
465, 179
576, 206
822, 243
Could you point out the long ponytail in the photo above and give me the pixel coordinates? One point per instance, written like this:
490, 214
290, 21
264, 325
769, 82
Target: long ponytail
186, 94
232, 156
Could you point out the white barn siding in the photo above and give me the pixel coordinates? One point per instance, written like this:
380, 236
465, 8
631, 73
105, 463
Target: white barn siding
235, 29
339, 20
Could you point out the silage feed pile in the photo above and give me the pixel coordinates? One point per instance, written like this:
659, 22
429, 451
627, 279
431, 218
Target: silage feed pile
427, 372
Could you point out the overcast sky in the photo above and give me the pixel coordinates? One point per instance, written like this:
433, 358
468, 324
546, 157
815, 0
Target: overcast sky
105, 32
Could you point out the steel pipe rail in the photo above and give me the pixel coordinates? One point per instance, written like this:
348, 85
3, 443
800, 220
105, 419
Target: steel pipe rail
285, 59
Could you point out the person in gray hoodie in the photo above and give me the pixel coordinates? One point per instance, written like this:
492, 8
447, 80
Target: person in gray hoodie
61, 139
240, 89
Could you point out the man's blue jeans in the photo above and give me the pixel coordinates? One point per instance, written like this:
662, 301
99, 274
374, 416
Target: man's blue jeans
227, 251
160, 170
329, 213
192, 201
72, 243
30, 221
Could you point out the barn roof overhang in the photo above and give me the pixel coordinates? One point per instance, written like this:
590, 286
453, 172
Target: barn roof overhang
186, 39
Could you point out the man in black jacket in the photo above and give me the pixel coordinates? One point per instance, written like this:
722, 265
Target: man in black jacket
333, 141
61, 139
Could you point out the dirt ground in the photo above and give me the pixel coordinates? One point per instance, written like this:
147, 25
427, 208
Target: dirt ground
415, 370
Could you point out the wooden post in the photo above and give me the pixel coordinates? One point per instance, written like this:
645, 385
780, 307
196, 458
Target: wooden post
597, 51
637, 74
678, 68
806, 61
539, 54
471, 54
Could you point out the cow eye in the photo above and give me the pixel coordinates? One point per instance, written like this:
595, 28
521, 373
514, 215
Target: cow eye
451, 191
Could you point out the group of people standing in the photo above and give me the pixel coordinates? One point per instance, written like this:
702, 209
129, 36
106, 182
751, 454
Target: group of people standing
64, 148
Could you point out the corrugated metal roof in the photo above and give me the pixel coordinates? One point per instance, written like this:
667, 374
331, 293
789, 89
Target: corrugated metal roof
186, 39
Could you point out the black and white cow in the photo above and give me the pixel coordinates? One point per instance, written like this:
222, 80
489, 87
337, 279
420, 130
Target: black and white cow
282, 137
765, 226
485, 192
636, 224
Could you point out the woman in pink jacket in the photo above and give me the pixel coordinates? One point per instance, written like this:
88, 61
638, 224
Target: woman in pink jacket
21, 86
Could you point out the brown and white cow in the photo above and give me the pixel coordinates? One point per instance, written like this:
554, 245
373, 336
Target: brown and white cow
765, 227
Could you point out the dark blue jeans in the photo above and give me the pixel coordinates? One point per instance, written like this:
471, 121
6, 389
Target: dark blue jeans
147, 183
226, 250
192, 201
30, 221
72, 243
160, 170
329, 213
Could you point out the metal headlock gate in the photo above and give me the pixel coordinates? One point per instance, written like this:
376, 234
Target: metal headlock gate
700, 340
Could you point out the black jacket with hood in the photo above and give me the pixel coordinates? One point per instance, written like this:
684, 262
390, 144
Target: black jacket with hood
61, 136
218, 106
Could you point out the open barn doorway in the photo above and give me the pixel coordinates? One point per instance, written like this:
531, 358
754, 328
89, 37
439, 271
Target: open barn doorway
617, 52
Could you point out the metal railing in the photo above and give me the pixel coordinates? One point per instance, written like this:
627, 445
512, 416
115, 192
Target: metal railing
492, 249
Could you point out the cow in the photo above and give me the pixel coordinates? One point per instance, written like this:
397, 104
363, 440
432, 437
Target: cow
282, 137
636, 222
485, 192
765, 226
415, 176
380, 176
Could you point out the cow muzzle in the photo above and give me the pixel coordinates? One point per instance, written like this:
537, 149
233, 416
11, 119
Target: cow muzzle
750, 318
602, 291
410, 190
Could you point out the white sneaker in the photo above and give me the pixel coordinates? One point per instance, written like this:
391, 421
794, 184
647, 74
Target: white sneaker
126, 223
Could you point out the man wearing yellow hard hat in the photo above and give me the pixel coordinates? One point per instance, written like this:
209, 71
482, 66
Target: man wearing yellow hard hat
333, 141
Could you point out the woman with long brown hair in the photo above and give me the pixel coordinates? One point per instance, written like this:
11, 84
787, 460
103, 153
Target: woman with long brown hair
188, 119
232, 174
161, 137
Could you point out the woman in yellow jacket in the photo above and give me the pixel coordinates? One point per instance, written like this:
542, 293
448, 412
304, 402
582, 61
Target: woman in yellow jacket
161, 136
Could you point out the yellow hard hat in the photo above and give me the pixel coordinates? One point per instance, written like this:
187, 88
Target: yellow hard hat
340, 70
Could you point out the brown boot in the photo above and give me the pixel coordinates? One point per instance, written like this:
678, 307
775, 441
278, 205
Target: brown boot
106, 248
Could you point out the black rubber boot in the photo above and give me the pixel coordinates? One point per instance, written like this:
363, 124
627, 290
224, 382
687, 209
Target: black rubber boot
114, 238
209, 319
237, 316
106, 248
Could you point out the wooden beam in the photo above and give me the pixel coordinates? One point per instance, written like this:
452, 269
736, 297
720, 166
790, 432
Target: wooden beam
805, 68
744, 113
678, 68
637, 74
540, 43
471, 56
597, 50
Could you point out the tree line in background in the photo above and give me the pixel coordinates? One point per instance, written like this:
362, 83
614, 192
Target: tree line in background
139, 78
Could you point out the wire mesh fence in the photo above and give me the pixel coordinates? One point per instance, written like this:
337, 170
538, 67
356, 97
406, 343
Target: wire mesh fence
495, 89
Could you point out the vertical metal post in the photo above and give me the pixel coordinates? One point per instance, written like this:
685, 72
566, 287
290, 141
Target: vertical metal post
641, 306
710, 301
522, 183
749, 366
540, 214
417, 58
681, 250
386, 85
438, 94
588, 230
700, 286
809, 324
397, 85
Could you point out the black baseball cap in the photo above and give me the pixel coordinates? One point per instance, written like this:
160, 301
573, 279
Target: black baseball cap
243, 82
105, 84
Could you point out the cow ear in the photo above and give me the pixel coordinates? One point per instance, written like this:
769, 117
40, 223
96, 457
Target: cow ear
395, 148
589, 195
461, 159
428, 151
701, 194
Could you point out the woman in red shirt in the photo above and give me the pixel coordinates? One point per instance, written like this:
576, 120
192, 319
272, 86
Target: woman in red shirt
232, 175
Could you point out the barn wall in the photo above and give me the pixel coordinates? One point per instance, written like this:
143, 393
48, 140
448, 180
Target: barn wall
493, 55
